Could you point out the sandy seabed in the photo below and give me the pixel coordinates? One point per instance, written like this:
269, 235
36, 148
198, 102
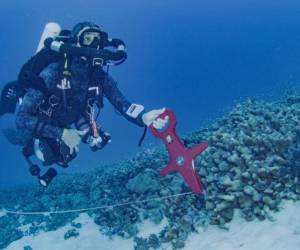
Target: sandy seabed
281, 234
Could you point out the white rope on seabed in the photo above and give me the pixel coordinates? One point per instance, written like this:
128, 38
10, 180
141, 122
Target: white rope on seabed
5, 212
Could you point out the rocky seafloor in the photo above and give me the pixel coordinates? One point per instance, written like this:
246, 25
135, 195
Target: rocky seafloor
252, 165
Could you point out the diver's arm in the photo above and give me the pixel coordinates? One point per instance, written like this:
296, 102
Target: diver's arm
27, 117
132, 112
92, 53
115, 57
29, 74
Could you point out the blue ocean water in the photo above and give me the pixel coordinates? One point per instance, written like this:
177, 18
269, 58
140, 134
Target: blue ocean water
197, 57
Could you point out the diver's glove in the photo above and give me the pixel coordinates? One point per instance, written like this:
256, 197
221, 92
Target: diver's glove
52, 44
72, 138
151, 117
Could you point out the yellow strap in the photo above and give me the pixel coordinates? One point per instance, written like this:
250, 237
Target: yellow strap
66, 61
66, 71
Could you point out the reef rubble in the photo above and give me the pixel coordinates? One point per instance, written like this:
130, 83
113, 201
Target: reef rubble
251, 166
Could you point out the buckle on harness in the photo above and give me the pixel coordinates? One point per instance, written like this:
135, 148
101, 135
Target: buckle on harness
64, 84
67, 73
98, 61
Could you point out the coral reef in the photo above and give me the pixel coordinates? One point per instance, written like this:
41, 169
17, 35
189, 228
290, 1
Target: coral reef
251, 165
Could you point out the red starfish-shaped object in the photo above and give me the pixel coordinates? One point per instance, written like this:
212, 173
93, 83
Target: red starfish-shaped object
181, 157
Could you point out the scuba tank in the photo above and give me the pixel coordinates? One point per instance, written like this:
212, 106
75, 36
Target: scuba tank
51, 30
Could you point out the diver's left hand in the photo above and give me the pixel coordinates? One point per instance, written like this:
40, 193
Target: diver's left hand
72, 138
152, 117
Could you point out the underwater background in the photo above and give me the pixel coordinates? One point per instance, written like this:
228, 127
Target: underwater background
196, 57
207, 61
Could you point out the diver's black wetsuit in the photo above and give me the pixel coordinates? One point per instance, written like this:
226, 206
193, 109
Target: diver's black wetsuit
44, 71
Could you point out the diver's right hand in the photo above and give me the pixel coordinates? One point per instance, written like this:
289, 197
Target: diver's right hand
47, 42
72, 138
152, 117
52, 44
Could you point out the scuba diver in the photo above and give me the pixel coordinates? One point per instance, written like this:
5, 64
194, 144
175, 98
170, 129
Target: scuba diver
61, 91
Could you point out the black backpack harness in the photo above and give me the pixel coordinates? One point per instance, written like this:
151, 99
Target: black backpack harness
56, 104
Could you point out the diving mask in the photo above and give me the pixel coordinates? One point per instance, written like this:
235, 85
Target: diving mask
90, 38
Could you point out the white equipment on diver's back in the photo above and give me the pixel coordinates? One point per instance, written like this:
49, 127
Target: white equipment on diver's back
37, 150
51, 30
